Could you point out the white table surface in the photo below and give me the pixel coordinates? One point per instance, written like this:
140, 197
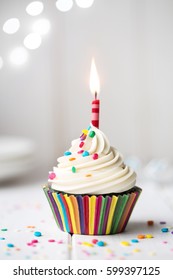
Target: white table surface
24, 210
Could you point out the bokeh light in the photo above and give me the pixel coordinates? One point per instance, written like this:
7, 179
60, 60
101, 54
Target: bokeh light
41, 26
32, 41
35, 8
64, 5
84, 3
11, 26
19, 56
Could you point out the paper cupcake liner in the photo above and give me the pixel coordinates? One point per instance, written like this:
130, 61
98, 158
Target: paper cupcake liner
92, 214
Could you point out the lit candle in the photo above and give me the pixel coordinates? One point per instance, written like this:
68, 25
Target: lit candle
95, 89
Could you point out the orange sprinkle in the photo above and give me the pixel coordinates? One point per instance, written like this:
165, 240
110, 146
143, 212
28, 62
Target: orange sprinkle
88, 175
140, 236
72, 158
30, 226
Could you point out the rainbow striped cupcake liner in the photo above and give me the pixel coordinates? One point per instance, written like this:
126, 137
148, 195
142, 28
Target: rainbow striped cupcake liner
92, 214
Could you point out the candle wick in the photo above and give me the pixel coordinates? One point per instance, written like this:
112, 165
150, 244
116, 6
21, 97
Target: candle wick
95, 95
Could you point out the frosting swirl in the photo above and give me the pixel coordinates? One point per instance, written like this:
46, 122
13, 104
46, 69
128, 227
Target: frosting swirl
92, 166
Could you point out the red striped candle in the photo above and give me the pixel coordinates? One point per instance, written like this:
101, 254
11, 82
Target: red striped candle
95, 112
95, 88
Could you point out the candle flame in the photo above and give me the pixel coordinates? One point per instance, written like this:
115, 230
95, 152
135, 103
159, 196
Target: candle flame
94, 79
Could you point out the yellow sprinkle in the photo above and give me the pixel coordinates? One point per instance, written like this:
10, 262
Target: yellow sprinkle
149, 236
71, 159
109, 251
88, 175
87, 244
136, 250
85, 131
125, 243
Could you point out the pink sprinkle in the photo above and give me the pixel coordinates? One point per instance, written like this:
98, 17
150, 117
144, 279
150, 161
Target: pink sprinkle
81, 144
60, 242
80, 152
34, 241
94, 241
165, 242
95, 156
29, 244
52, 176
51, 240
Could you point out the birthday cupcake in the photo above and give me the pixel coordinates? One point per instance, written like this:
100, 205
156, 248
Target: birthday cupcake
91, 190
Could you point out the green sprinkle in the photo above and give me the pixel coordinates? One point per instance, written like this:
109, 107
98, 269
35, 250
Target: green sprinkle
4, 229
73, 169
92, 134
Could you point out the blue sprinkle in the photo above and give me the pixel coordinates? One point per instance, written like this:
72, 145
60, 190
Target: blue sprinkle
89, 127
67, 153
10, 245
134, 241
164, 229
37, 233
85, 154
2, 238
100, 243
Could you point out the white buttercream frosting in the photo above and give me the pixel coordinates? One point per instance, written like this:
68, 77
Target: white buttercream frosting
80, 174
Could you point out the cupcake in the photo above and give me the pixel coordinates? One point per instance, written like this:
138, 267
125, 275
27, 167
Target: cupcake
91, 191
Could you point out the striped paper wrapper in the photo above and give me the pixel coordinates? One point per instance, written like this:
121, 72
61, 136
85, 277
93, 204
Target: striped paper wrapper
92, 214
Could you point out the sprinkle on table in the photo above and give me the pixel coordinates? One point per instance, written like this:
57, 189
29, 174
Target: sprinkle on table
134, 240
88, 175
162, 222
149, 236
2, 238
37, 233
100, 243
125, 243
164, 229
73, 169
140, 236
150, 223
4, 229
10, 245
94, 241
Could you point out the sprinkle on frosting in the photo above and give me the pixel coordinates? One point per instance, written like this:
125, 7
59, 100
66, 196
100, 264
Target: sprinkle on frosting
80, 151
73, 169
71, 159
85, 154
52, 176
85, 131
81, 144
92, 134
95, 156
67, 153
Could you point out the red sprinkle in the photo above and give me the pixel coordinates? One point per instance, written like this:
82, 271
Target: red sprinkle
80, 152
94, 241
52, 176
95, 156
34, 241
51, 240
81, 144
